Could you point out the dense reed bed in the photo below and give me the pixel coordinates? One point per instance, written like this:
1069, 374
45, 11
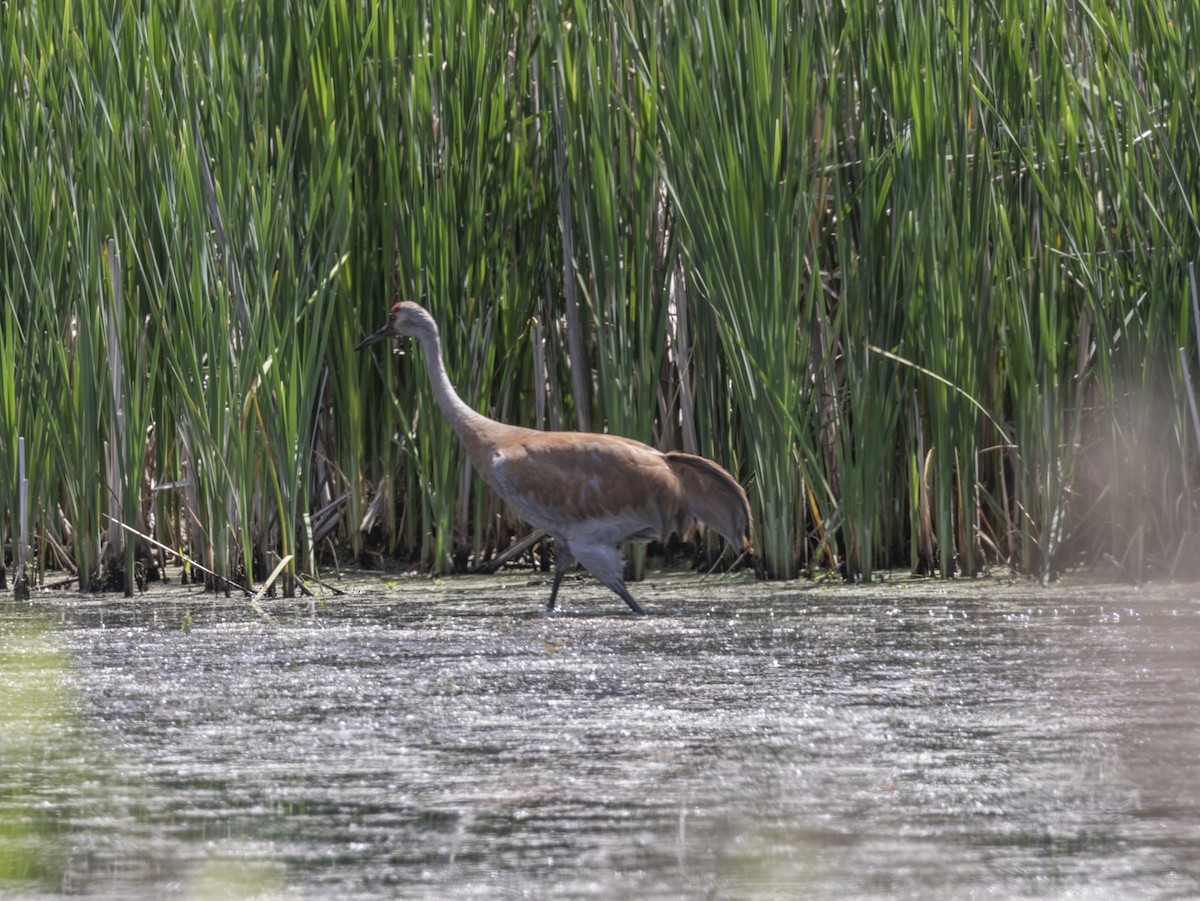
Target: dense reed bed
917, 274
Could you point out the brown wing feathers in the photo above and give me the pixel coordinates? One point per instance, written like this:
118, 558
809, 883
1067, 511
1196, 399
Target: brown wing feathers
712, 496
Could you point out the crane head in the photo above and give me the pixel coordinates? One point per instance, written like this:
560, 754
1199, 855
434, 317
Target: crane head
406, 318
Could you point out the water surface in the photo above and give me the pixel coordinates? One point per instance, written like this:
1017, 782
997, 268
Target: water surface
418, 739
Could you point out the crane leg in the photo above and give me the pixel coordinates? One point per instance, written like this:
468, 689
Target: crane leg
620, 589
605, 564
558, 575
562, 562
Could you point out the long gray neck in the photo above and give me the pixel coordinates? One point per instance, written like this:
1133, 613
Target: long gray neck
467, 424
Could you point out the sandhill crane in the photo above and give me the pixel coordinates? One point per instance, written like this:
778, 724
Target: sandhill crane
589, 492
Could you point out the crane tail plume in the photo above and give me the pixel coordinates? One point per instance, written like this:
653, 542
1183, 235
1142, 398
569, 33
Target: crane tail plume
714, 497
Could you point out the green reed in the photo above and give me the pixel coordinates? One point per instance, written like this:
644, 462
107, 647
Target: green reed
624, 242
741, 177
917, 275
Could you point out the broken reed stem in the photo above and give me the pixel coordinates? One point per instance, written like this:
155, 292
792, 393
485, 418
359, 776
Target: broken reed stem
182, 556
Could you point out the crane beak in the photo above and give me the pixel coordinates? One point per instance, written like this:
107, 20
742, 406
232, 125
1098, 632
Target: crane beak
373, 339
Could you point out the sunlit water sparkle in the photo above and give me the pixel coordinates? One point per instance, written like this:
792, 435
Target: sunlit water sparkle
930, 739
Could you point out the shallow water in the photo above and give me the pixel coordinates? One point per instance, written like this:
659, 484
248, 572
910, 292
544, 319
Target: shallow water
448, 740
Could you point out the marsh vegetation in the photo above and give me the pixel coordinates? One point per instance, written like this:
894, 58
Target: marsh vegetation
919, 275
